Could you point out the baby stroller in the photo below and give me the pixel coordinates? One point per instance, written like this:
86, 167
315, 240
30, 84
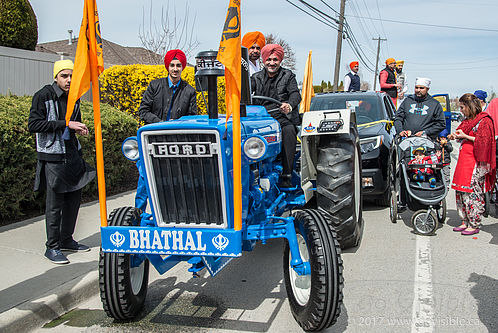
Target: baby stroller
426, 197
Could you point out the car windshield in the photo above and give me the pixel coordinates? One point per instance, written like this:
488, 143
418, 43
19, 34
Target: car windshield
367, 108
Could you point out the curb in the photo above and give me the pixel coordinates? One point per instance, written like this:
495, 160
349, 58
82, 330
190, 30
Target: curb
33, 314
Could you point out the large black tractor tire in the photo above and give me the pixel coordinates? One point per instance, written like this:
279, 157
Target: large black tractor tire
122, 287
338, 185
315, 300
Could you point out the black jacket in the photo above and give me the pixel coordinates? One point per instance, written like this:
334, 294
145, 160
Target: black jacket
391, 79
417, 115
282, 87
157, 99
47, 119
60, 164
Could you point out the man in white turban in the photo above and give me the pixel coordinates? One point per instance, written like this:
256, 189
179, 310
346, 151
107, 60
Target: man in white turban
420, 114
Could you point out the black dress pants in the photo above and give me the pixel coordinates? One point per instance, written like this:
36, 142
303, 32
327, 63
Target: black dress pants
60, 217
288, 147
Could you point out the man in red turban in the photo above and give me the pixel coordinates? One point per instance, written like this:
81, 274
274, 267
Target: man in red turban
352, 79
280, 84
165, 99
254, 41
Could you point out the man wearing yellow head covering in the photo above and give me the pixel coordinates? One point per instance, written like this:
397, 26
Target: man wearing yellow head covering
254, 41
401, 80
60, 170
387, 79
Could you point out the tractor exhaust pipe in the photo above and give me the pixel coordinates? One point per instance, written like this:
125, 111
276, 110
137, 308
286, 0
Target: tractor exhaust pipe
207, 69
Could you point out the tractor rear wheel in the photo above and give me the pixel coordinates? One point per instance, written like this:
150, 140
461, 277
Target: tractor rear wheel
123, 277
315, 299
339, 185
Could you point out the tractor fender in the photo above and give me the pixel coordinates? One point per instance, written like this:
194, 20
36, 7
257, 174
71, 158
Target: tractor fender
326, 122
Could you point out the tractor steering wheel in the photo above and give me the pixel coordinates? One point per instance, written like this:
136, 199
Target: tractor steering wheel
269, 99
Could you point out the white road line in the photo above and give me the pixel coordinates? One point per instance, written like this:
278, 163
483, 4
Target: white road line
423, 312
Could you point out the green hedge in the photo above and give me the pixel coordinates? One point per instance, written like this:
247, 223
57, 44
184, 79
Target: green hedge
18, 26
18, 156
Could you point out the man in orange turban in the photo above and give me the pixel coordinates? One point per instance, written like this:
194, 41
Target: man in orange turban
387, 79
254, 41
352, 79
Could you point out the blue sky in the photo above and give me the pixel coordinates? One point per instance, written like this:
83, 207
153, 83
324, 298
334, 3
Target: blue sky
456, 60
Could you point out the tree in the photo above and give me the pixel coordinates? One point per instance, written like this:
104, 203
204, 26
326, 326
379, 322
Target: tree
171, 33
18, 26
289, 61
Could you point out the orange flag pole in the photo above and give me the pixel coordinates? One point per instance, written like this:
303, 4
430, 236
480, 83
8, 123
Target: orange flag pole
99, 149
88, 64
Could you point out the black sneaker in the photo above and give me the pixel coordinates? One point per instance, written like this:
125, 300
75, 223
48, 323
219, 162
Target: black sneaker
75, 247
56, 256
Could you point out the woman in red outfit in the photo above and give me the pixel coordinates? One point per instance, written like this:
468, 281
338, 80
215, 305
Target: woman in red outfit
476, 167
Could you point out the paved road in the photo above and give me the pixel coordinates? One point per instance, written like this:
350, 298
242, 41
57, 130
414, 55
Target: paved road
395, 281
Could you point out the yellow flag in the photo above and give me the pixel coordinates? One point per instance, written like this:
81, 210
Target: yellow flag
89, 62
229, 54
307, 92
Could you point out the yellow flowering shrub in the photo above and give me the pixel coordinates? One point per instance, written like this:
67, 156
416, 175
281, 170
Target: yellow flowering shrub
123, 86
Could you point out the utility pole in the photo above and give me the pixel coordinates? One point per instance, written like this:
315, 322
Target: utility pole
339, 46
377, 60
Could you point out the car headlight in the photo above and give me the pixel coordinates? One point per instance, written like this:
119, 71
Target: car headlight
255, 147
369, 144
130, 149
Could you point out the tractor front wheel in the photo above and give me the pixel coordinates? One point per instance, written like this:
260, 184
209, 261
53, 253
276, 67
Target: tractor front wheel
315, 299
123, 277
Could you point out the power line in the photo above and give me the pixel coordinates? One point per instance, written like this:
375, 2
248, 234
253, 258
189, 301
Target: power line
361, 23
370, 17
429, 25
330, 22
454, 63
316, 18
382, 24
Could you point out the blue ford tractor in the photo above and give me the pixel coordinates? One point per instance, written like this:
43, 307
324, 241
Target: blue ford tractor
189, 177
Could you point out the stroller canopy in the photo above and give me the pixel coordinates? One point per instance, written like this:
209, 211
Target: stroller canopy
416, 141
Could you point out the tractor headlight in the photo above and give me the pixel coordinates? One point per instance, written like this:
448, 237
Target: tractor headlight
130, 148
255, 147
370, 144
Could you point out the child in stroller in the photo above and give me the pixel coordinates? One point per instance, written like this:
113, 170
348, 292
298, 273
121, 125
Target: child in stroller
425, 173
418, 184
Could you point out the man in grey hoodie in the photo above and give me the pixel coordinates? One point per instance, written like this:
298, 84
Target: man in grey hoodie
420, 114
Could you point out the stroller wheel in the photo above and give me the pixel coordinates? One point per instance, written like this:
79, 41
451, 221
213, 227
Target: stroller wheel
393, 207
441, 212
424, 223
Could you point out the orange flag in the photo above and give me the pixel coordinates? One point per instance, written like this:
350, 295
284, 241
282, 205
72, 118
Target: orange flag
229, 54
307, 92
88, 59
88, 64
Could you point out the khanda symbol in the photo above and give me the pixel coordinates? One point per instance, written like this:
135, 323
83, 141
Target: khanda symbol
117, 239
231, 31
220, 242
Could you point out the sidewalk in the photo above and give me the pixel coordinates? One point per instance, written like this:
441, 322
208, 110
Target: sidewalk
34, 291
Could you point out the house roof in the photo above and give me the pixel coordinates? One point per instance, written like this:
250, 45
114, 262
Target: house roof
114, 54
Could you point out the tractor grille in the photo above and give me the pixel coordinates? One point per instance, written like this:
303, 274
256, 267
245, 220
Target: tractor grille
185, 178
